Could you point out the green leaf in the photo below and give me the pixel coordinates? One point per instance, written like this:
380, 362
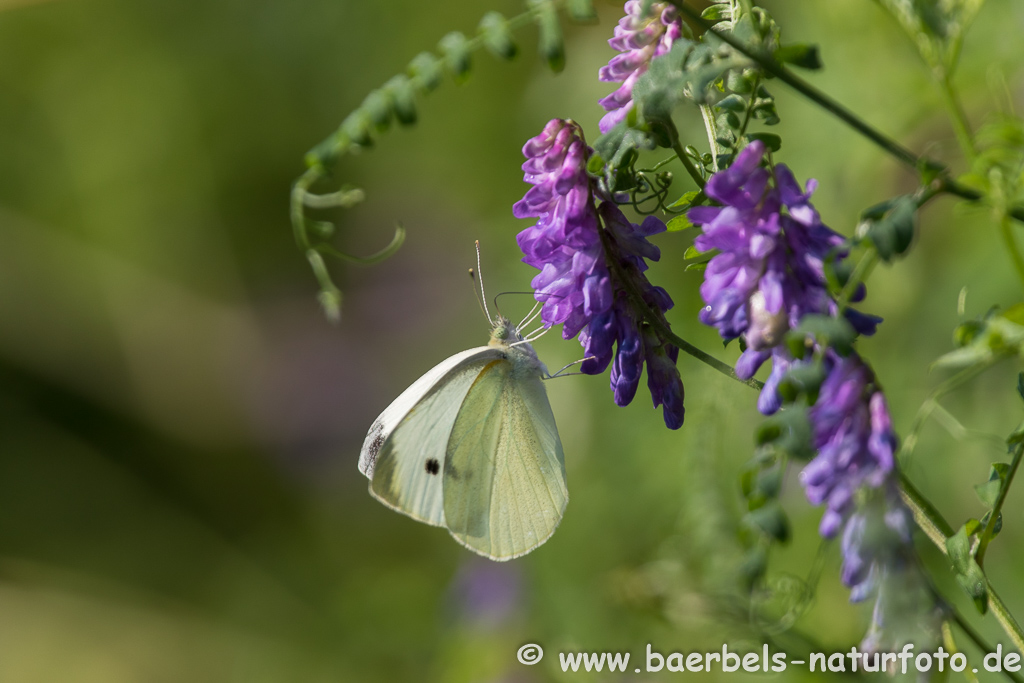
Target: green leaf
989, 491
455, 48
698, 267
873, 213
1015, 314
356, 127
685, 72
1016, 437
770, 519
497, 35
378, 109
799, 54
802, 379
996, 528
403, 98
836, 333
685, 200
789, 431
968, 574
677, 223
716, 13
619, 145
582, 10
972, 526
770, 140
769, 481
426, 71
733, 103
891, 233
550, 42
838, 272
754, 565
984, 341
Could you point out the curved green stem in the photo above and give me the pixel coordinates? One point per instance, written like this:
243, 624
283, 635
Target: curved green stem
298, 203
937, 529
677, 147
376, 257
990, 527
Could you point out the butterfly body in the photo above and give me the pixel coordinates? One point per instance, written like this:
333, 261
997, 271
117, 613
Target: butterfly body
472, 446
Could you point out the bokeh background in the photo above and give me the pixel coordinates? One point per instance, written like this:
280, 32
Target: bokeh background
179, 499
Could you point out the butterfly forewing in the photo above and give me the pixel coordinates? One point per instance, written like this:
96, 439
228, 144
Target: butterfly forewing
404, 458
504, 474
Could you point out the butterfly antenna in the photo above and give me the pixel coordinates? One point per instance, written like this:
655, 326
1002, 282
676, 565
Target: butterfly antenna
483, 295
476, 291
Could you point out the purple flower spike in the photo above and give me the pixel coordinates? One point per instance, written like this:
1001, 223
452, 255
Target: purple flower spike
854, 438
875, 541
770, 270
581, 265
639, 38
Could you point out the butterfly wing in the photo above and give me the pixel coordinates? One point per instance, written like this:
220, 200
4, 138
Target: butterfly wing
404, 451
504, 474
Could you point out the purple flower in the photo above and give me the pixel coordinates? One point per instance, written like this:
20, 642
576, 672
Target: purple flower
854, 438
590, 257
565, 245
639, 38
769, 272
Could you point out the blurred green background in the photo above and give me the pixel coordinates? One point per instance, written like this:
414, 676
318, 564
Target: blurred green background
179, 499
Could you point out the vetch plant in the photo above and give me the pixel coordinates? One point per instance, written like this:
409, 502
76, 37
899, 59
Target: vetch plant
775, 280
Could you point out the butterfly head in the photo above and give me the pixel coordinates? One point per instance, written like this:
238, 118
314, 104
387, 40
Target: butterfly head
506, 336
504, 333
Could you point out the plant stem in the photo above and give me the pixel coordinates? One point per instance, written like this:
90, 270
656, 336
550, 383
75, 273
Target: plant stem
298, 203
859, 274
712, 129
957, 116
769, 64
657, 321
979, 641
687, 162
937, 529
990, 527
904, 155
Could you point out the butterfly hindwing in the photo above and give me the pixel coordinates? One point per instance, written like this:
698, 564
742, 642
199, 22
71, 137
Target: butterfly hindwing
404, 452
504, 473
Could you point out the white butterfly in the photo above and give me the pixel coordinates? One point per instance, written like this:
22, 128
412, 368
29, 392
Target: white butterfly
472, 446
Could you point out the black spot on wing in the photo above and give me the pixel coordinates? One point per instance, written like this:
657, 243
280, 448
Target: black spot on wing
433, 466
